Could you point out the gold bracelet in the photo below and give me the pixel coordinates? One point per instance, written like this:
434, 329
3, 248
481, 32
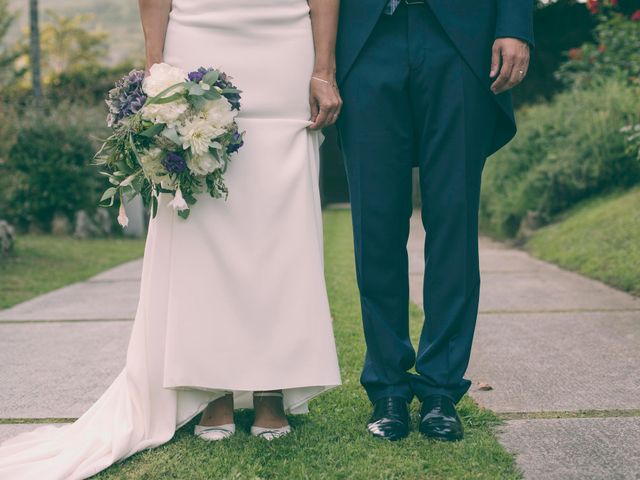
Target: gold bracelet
322, 80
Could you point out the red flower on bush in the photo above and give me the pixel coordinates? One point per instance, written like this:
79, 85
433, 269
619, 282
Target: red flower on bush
593, 6
636, 16
575, 53
614, 3
602, 48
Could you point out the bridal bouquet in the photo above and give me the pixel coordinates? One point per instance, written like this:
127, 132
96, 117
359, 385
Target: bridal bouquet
173, 132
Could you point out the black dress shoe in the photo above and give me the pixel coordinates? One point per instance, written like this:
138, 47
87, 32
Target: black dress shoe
439, 419
390, 419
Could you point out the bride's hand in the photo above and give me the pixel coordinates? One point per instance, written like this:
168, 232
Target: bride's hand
325, 102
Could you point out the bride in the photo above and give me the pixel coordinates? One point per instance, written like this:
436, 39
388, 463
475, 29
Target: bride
233, 311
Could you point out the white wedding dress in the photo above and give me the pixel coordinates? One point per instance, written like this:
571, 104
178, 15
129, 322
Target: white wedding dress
232, 299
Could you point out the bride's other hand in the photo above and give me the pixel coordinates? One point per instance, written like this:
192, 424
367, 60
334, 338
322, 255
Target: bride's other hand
325, 102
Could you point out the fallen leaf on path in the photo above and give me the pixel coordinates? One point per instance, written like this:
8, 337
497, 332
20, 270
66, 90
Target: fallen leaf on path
484, 387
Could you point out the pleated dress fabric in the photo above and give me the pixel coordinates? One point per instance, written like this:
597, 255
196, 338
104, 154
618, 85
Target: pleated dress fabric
233, 299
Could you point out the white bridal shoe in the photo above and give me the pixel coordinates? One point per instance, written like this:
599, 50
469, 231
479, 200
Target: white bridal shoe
270, 433
213, 434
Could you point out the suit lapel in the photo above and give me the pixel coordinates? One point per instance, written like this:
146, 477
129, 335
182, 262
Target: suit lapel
362, 16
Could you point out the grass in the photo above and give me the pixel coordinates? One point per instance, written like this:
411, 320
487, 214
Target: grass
331, 442
599, 239
41, 263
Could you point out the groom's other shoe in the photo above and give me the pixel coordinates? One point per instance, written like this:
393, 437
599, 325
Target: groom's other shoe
390, 419
439, 419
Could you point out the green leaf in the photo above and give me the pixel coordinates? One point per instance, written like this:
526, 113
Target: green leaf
109, 193
184, 213
138, 183
230, 90
197, 102
154, 206
211, 77
172, 134
212, 94
169, 99
153, 130
127, 181
196, 90
159, 98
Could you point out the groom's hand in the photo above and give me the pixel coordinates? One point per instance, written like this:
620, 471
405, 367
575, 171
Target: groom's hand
509, 63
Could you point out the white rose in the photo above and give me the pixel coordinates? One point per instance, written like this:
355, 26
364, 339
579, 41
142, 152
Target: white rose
219, 113
202, 164
167, 113
162, 76
198, 134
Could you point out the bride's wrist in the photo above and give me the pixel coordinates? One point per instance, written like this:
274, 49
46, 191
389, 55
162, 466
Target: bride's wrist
328, 74
153, 58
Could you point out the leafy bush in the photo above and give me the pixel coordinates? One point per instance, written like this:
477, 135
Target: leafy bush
558, 26
615, 54
87, 85
566, 151
48, 172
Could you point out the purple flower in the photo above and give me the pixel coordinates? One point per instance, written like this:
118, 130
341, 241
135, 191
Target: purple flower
236, 142
174, 163
198, 75
223, 82
126, 98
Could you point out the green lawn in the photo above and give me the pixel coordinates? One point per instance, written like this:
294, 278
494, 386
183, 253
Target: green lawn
331, 442
599, 239
41, 263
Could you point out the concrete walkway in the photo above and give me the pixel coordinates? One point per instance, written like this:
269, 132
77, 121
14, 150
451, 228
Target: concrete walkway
561, 354
81, 329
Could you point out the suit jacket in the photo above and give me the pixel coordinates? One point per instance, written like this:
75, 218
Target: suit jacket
472, 25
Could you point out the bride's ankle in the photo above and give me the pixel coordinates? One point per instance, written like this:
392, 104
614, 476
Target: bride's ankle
218, 412
269, 410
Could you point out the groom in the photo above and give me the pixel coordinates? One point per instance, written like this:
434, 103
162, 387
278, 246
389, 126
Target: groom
425, 84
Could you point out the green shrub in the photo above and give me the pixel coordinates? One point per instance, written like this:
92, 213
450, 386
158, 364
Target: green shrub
88, 85
566, 151
615, 53
49, 173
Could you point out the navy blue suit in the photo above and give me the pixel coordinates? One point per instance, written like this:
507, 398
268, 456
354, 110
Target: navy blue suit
415, 86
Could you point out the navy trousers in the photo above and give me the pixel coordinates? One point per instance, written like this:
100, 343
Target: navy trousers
410, 99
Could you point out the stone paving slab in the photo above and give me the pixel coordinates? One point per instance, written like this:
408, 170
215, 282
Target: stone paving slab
8, 431
575, 448
92, 300
549, 290
513, 281
58, 370
127, 271
557, 362
495, 258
